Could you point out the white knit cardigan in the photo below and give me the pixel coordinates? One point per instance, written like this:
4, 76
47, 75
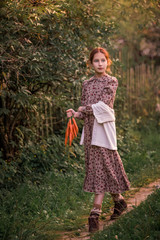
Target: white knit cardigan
104, 129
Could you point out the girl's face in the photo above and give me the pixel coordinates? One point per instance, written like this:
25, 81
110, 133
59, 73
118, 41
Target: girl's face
99, 63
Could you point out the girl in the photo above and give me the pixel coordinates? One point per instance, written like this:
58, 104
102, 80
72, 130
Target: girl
104, 168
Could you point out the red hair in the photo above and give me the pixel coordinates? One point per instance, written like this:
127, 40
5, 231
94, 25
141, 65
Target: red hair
106, 54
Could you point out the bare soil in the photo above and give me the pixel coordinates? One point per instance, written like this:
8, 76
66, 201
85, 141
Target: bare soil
138, 197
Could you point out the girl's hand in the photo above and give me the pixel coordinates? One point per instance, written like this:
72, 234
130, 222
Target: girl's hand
70, 112
76, 114
81, 108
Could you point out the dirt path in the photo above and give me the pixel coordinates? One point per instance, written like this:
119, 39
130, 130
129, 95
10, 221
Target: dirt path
140, 196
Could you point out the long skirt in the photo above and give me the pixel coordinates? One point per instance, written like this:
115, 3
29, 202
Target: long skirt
104, 167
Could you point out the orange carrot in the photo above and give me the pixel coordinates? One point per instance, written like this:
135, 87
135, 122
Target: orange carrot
75, 124
74, 130
71, 131
70, 134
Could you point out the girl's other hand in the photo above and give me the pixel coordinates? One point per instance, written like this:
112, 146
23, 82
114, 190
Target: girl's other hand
81, 108
70, 112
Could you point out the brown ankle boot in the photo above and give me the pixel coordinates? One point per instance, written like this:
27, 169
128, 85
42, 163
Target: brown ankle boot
119, 207
93, 222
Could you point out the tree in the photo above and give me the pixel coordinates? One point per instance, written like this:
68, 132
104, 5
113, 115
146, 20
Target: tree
137, 22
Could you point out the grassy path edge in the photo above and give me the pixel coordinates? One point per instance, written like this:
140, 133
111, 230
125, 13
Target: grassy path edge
135, 197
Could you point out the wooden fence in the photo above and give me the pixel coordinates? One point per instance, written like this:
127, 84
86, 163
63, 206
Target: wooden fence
142, 83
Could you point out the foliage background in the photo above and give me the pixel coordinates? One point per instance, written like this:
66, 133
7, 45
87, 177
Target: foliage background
43, 50
44, 47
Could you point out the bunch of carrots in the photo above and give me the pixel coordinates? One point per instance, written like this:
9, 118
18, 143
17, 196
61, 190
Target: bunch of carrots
71, 131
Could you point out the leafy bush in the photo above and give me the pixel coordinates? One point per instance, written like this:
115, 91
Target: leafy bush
43, 51
36, 159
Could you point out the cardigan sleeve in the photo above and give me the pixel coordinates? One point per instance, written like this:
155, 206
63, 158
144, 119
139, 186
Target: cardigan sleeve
109, 92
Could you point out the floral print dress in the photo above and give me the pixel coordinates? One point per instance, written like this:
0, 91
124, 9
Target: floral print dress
104, 168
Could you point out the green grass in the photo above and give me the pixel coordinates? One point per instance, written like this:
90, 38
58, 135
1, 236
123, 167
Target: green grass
141, 223
57, 203
141, 160
54, 205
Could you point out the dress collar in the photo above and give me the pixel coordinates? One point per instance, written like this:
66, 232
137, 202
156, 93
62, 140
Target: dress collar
99, 78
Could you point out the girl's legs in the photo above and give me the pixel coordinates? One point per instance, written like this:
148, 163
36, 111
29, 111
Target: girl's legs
98, 199
119, 205
116, 196
93, 219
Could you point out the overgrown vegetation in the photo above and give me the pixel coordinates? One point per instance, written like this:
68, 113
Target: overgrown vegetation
141, 223
51, 198
43, 50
